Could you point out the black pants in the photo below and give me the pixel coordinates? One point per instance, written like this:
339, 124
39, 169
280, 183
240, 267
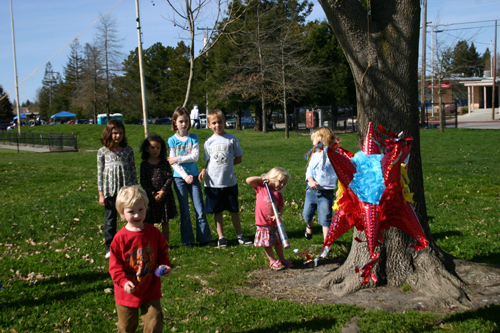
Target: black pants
110, 216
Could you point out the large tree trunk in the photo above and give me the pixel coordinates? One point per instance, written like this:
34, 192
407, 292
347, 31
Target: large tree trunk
381, 46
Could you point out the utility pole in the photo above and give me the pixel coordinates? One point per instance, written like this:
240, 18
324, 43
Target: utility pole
141, 72
15, 69
205, 42
494, 75
424, 50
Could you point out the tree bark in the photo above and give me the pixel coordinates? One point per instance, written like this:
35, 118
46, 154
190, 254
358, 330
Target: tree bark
380, 42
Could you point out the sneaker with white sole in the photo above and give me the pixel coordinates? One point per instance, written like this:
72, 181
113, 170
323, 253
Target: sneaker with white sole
222, 243
244, 240
107, 255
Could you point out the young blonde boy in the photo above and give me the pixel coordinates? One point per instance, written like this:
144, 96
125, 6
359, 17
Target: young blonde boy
222, 153
137, 250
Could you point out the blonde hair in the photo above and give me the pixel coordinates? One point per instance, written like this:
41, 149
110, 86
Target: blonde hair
216, 113
277, 173
324, 135
129, 196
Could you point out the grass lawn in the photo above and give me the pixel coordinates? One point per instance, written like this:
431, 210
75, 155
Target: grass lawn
52, 254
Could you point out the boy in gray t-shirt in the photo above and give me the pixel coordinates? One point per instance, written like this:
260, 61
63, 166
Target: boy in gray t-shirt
222, 153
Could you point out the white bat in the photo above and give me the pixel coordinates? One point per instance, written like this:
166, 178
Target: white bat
281, 228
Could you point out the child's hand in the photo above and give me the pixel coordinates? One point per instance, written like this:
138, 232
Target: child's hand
173, 160
163, 270
129, 287
102, 199
189, 179
313, 184
159, 196
202, 175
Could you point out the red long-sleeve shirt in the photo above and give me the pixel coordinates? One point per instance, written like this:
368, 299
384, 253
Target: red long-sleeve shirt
134, 257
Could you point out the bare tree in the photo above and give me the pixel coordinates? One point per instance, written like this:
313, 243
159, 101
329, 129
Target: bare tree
190, 13
110, 45
294, 76
90, 92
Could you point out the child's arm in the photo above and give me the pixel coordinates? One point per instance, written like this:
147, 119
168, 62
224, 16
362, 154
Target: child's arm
312, 183
168, 183
193, 156
177, 167
131, 162
100, 170
255, 181
203, 172
117, 270
238, 160
144, 180
164, 264
310, 174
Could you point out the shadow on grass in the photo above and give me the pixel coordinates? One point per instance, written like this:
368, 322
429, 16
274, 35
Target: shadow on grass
445, 234
491, 258
315, 325
60, 289
476, 318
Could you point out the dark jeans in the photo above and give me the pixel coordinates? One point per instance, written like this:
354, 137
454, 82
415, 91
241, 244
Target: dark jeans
110, 216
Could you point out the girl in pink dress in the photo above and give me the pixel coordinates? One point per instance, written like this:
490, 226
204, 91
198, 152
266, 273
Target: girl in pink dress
267, 235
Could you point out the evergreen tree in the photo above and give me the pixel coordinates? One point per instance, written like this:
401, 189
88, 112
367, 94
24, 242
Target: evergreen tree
465, 60
90, 93
165, 72
73, 72
5, 107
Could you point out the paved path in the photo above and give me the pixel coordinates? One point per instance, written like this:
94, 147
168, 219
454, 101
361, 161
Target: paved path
26, 148
480, 118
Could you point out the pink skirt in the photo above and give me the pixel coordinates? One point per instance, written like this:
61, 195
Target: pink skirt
267, 236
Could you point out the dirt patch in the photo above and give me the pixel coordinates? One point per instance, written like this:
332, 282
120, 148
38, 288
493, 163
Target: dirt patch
300, 284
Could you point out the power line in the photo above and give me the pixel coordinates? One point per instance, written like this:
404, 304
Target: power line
474, 22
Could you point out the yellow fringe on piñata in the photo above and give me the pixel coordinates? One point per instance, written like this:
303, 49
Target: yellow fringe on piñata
407, 195
339, 194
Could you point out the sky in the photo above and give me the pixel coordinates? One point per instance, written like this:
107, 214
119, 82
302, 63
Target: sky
43, 28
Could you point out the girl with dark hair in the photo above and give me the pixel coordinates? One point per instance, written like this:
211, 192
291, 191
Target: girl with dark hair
156, 180
115, 169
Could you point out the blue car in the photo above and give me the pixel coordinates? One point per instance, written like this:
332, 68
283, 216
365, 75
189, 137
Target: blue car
163, 121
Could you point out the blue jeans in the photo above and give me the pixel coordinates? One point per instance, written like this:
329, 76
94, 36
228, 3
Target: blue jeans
321, 200
183, 191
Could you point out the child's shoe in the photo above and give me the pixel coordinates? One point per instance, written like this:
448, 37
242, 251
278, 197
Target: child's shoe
286, 263
308, 236
276, 265
222, 242
244, 240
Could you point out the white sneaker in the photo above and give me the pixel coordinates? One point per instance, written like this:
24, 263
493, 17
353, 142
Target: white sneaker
108, 254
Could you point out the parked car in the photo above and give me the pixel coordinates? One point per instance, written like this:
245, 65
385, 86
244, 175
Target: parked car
277, 117
150, 122
249, 122
230, 121
163, 121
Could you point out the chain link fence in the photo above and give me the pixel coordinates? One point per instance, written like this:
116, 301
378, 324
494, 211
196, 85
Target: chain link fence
52, 141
